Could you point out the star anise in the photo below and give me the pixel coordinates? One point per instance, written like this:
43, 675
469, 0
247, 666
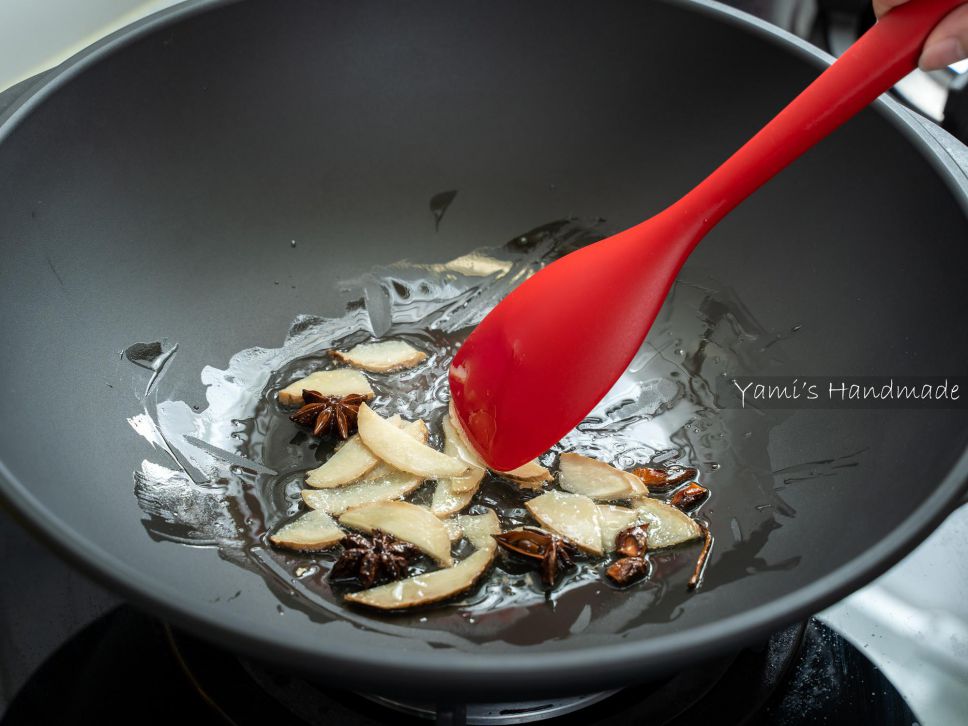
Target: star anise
551, 553
379, 558
324, 413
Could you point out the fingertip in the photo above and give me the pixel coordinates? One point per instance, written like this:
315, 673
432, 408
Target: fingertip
940, 53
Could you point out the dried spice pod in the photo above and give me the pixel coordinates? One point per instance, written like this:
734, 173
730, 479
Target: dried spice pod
550, 552
665, 477
524, 542
371, 560
627, 570
558, 557
633, 541
325, 413
689, 497
707, 545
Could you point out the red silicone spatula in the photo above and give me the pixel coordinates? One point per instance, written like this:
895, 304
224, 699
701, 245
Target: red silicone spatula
542, 359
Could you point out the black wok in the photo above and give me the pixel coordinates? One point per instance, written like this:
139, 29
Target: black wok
150, 188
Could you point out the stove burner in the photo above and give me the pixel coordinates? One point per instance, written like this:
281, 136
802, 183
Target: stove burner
498, 713
127, 666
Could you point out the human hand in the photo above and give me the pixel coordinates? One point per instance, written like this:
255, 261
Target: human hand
946, 44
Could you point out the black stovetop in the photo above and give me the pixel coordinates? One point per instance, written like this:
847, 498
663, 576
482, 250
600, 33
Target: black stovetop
74, 654
127, 666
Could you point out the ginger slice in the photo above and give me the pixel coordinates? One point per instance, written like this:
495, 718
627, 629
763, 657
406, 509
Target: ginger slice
530, 472
480, 528
348, 463
528, 476
447, 501
394, 485
309, 532
340, 382
383, 357
583, 475
667, 525
454, 530
572, 516
614, 519
454, 446
401, 451
406, 522
433, 587
383, 483
533, 483
467, 452
453, 494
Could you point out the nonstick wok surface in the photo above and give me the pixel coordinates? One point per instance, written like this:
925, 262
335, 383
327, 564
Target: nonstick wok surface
151, 190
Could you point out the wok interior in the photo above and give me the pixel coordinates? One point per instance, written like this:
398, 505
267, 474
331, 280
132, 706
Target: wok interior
156, 195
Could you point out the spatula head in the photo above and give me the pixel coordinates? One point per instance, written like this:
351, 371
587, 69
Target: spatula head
550, 351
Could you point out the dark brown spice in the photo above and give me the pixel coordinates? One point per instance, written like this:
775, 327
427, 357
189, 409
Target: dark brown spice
524, 542
325, 413
550, 552
627, 570
379, 558
707, 545
689, 497
633, 541
663, 478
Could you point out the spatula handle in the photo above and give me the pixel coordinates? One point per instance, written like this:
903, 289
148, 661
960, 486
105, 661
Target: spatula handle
878, 60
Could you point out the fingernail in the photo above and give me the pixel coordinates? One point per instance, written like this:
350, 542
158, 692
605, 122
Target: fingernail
941, 53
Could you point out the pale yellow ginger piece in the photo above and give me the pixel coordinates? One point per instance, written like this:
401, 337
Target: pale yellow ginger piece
583, 475
340, 382
454, 530
667, 525
442, 584
531, 484
393, 485
349, 462
467, 452
403, 452
383, 483
613, 520
446, 501
428, 588
309, 532
382, 357
533, 471
453, 494
572, 516
479, 529
454, 446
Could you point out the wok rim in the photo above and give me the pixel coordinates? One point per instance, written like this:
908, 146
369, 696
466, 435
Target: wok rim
487, 674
